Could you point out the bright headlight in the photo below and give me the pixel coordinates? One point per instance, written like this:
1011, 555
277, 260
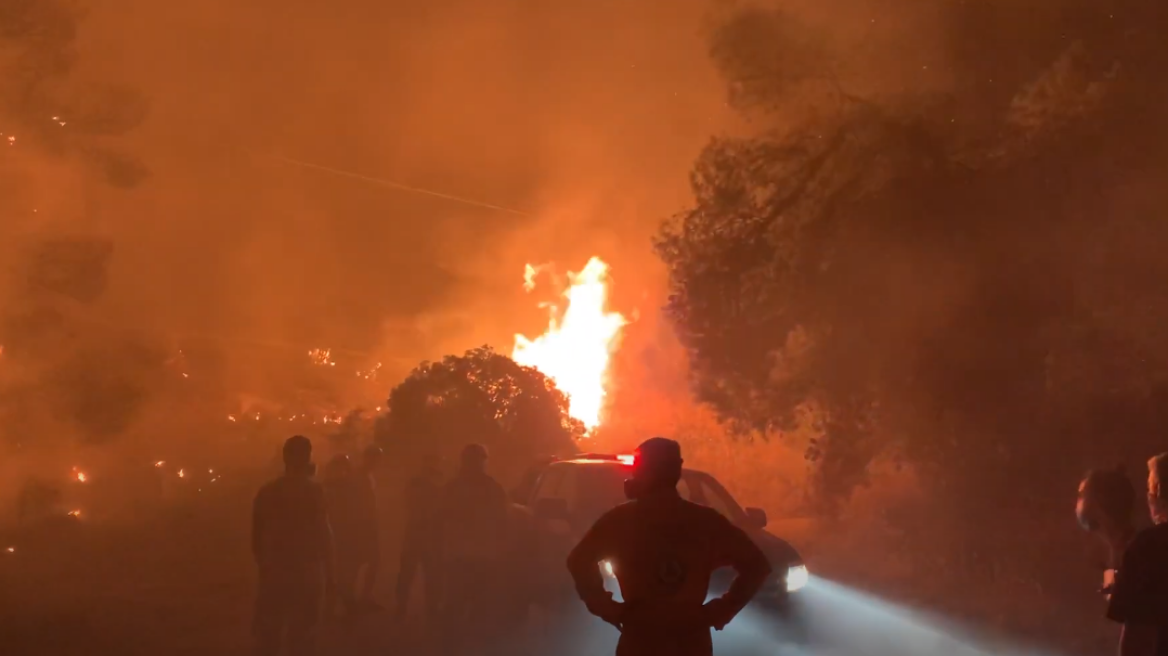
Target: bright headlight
797, 578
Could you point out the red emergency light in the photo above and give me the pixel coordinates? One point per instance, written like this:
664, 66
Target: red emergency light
627, 459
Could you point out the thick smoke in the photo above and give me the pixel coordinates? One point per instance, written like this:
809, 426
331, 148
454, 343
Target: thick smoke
584, 117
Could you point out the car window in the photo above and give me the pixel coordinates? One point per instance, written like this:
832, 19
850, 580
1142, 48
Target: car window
590, 491
716, 497
570, 489
601, 486
550, 484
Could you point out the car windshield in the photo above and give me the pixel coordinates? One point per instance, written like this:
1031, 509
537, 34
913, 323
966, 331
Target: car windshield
710, 492
602, 487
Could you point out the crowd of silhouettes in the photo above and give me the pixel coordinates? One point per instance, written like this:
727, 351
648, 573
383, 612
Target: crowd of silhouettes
317, 545
317, 549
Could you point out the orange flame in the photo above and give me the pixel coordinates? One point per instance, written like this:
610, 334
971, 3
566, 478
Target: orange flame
322, 357
576, 348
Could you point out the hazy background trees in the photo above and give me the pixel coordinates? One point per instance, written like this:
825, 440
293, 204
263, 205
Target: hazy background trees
481, 397
56, 259
962, 275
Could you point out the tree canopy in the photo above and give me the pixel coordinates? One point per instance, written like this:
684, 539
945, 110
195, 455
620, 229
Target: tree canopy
43, 104
479, 397
968, 277
59, 365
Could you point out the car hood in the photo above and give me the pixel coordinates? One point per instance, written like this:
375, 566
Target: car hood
778, 551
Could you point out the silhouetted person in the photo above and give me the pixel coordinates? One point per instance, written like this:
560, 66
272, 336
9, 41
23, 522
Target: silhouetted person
1139, 599
368, 547
518, 577
1105, 508
292, 544
422, 539
341, 497
663, 550
474, 514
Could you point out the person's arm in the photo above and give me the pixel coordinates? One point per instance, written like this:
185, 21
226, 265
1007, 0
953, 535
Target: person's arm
258, 525
324, 536
499, 502
1137, 600
372, 520
735, 548
584, 566
408, 501
373, 566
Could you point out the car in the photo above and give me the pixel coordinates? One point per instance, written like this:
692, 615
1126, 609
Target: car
566, 496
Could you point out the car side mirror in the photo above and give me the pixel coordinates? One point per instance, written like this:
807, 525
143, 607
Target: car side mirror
756, 517
551, 509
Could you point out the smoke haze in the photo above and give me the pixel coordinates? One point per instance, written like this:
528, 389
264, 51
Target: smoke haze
585, 116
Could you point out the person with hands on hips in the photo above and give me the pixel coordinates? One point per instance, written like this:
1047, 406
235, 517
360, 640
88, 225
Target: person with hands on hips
662, 550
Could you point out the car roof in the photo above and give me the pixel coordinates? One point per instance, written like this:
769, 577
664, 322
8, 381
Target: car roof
602, 460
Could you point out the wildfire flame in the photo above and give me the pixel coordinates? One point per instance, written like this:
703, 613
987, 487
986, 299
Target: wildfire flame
576, 348
74, 513
370, 374
80, 475
322, 357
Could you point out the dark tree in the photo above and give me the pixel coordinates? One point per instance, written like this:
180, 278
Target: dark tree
97, 377
966, 280
483, 397
44, 106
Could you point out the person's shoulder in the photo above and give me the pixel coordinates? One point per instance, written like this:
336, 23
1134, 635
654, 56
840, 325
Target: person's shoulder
1150, 542
269, 488
705, 514
622, 512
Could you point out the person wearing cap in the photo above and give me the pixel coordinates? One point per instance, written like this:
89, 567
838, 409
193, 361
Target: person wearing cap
1139, 598
292, 544
421, 541
663, 550
474, 521
1105, 508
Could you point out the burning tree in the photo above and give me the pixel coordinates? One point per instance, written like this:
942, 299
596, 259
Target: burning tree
483, 397
577, 347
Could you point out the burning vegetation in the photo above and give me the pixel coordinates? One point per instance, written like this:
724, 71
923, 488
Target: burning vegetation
579, 343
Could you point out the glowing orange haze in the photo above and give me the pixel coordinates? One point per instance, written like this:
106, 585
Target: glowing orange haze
576, 348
